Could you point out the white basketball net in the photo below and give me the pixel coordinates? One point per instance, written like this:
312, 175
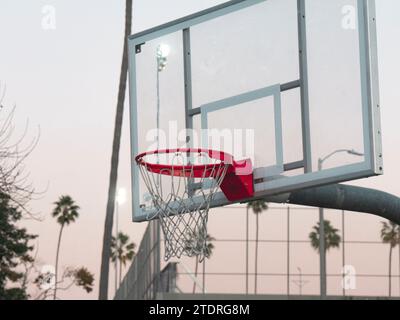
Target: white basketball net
181, 200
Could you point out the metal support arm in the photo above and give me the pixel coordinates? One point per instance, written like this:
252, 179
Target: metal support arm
349, 198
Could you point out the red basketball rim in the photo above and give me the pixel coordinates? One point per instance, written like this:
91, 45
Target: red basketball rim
195, 170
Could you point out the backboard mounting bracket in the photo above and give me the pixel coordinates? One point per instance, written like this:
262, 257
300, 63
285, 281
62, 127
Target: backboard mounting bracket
138, 47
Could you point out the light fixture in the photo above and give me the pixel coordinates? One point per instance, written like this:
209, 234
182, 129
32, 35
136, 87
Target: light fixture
121, 196
163, 51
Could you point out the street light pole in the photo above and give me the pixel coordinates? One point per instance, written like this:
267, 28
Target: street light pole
322, 251
300, 283
288, 252
161, 55
343, 255
247, 250
322, 244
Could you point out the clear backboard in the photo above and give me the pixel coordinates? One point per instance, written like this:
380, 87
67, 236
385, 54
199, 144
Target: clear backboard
291, 85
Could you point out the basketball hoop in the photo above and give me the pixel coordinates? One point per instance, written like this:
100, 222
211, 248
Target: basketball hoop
182, 184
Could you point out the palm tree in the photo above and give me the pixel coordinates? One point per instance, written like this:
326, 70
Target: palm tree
258, 207
122, 250
390, 234
106, 253
332, 237
66, 212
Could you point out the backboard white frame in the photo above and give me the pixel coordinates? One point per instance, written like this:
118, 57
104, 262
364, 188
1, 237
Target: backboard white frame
373, 162
236, 101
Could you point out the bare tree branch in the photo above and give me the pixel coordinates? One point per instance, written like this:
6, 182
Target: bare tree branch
14, 150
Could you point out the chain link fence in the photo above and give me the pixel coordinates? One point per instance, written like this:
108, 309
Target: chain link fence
287, 265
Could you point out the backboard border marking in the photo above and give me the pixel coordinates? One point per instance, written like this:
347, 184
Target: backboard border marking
236, 101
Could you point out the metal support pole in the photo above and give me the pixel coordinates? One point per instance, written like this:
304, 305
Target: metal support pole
301, 283
158, 108
348, 198
305, 108
322, 244
187, 69
288, 253
322, 249
158, 258
343, 253
187, 74
247, 250
204, 276
322, 254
